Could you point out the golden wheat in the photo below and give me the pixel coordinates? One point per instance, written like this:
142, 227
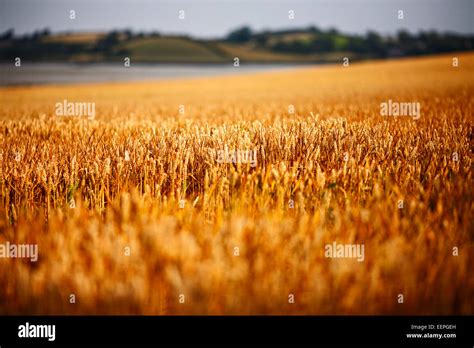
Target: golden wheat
231, 237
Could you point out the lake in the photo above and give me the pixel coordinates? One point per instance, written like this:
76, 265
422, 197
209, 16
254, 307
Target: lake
61, 73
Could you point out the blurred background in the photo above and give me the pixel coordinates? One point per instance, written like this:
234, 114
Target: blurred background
83, 41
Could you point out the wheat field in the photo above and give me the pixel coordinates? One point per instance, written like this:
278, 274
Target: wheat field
133, 214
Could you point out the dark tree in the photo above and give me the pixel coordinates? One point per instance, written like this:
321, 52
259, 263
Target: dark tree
243, 34
7, 35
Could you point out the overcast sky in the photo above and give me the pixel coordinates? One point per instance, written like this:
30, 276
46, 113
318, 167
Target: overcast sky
214, 18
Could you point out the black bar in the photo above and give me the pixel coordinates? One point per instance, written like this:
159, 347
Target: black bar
290, 330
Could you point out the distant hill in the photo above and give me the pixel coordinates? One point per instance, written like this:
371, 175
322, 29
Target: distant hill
297, 46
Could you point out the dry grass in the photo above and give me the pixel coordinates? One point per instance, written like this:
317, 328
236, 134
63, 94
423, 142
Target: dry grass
190, 251
85, 37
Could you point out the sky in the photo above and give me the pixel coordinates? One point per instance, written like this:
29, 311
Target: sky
215, 18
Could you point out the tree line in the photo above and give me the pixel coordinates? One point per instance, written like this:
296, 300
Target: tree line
314, 40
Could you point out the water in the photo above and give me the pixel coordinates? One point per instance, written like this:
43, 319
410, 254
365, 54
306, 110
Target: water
67, 73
